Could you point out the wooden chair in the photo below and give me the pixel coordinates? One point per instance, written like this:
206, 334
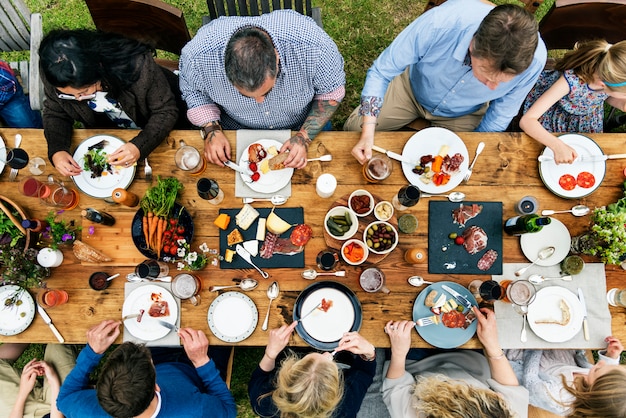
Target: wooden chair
219, 8
530, 5
21, 30
153, 22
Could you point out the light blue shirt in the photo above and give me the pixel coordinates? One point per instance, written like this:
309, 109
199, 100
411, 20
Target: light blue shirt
435, 47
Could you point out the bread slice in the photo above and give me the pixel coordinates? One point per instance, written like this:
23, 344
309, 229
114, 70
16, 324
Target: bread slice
88, 254
278, 162
234, 237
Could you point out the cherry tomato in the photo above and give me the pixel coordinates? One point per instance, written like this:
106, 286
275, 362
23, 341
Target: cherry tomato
166, 249
167, 234
459, 240
173, 221
173, 250
252, 166
180, 230
255, 176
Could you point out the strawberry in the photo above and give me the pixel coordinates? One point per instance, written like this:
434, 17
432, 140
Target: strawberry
252, 166
255, 176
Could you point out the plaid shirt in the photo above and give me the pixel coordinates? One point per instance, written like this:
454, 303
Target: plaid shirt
311, 68
8, 83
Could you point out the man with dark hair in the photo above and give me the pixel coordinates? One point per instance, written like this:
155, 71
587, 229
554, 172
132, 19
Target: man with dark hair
130, 385
464, 65
275, 71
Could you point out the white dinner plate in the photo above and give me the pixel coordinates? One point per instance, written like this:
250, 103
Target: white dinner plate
330, 325
546, 306
273, 180
104, 185
555, 234
429, 141
3, 154
232, 317
142, 298
16, 317
550, 172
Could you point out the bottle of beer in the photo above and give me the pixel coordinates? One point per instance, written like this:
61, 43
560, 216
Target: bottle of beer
98, 217
523, 224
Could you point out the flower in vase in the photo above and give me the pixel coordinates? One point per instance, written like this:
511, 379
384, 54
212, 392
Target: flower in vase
59, 231
193, 260
20, 267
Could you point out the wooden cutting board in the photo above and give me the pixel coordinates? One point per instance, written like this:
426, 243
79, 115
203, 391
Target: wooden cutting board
115, 241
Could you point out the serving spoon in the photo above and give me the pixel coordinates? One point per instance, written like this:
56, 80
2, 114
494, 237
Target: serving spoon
538, 278
326, 157
311, 274
452, 197
578, 210
245, 284
543, 254
418, 281
276, 200
272, 293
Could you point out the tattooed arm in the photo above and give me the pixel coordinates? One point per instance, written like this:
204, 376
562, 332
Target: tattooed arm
298, 145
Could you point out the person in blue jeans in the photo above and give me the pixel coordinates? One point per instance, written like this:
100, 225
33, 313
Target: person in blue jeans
15, 109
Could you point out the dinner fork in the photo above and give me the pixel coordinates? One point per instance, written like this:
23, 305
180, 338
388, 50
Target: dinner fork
147, 170
422, 322
479, 149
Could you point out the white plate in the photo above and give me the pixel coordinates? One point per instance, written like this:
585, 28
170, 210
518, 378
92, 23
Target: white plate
232, 317
550, 172
16, 318
331, 325
555, 234
546, 306
429, 141
141, 298
104, 185
3, 154
273, 180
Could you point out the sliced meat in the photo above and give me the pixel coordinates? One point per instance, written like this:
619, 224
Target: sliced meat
487, 260
464, 213
475, 239
267, 249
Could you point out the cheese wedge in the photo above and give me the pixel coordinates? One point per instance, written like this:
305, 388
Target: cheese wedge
275, 224
234, 237
252, 247
246, 216
228, 255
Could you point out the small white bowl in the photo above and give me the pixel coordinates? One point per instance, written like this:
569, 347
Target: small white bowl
388, 209
361, 192
393, 232
356, 242
341, 211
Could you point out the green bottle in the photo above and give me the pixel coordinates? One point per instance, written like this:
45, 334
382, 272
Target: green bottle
522, 224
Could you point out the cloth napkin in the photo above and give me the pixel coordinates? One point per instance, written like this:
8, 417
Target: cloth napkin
171, 339
591, 280
246, 137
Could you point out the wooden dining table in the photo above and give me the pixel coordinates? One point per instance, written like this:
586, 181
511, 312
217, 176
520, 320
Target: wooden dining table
506, 171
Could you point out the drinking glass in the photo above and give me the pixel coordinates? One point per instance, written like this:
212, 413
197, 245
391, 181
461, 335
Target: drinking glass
57, 194
572, 264
327, 260
151, 269
49, 298
189, 159
187, 287
209, 189
377, 168
521, 292
373, 280
16, 158
29, 186
490, 290
616, 297
407, 196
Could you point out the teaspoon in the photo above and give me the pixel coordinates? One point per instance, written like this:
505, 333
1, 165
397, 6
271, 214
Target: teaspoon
543, 254
452, 197
272, 293
417, 281
276, 200
538, 278
246, 284
311, 274
326, 157
522, 310
578, 210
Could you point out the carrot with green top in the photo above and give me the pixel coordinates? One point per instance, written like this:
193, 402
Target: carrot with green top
159, 235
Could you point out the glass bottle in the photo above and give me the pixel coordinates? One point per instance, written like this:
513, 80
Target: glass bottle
35, 225
522, 224
98, 217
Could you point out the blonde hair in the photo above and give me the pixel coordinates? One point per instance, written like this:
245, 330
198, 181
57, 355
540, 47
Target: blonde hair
440, 397
597, 58
605, 398
308, 387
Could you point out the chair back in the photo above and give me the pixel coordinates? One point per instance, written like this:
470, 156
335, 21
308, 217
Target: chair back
219, 8
530, 5
153, 22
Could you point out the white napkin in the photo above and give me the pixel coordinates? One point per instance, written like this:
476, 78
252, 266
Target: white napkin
246, 137
591, 280
171, 339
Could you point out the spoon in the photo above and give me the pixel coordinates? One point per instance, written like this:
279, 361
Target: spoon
326, 157
522, 310
452, 197
538, 278
245, 284
311, 274
543, 254
276, 200
272, 293
578, 210
417, 281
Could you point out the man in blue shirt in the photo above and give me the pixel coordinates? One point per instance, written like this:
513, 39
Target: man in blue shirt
130, 385
464, 65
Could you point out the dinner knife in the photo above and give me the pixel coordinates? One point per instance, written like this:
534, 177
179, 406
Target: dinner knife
581, 297
235, 167
462, 300
394, 155
243, 253
319, 305
48, 321
167, 325
586, 158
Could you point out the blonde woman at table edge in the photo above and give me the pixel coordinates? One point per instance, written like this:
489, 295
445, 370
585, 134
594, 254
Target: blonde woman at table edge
563, 382
453, 383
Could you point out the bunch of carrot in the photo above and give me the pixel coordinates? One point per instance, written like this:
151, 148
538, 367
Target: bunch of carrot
157, 204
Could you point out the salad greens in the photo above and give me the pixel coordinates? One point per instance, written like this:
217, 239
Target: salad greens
96, 162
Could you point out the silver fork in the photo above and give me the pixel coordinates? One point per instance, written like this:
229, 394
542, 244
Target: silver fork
422, 322
479, 149
147, 170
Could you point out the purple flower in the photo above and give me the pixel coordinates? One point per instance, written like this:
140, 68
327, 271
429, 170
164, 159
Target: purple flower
91, 230
67, 237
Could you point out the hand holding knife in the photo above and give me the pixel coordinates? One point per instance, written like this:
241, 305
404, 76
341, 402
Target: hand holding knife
46, 318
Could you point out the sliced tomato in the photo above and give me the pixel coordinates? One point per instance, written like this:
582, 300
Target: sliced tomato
585, 179
567, 182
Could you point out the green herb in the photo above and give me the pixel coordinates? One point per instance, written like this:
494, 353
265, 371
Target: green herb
8, 230
160, 199
59, 231
20, 267
96, 162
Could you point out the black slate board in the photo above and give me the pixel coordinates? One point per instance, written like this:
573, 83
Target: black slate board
294, 216
440, 225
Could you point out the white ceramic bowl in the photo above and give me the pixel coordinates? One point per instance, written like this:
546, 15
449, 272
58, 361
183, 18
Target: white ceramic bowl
391, 231
355, 242
361, 192
388, 210
341, 211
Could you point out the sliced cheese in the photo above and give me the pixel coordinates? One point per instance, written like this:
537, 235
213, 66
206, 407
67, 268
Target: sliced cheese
265, 166
441, 300
443, 151
446, 307
260, 230
453, 303
252, 247
272, 151
246, 216
228, 255
234, 237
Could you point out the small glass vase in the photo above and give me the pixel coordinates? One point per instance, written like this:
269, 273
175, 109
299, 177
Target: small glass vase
581, 244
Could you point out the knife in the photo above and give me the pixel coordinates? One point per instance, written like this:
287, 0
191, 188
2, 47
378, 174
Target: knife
235, 167
462, 300
48, 321
581, 297
243, 253
586, 158
167, 325
394, 155
319, 305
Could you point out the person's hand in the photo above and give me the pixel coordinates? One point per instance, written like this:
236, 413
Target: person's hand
563, 153
126, 155
65, 164
298, 149
278, 339
614, 348
196, 345
356, 344
217, 148
101, 336
399, 333
48, 371
362, 151
29, 376
487, 330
